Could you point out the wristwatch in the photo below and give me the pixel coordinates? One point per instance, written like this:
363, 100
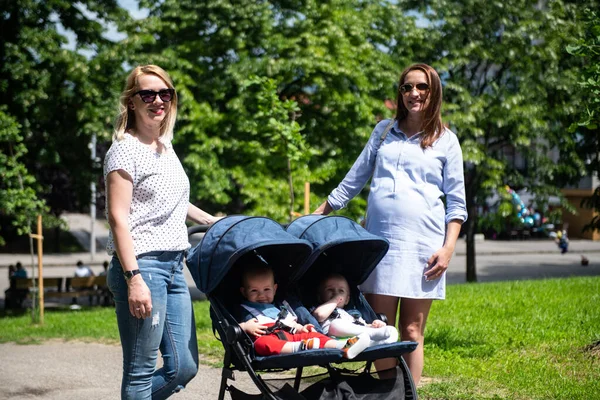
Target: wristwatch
130, 274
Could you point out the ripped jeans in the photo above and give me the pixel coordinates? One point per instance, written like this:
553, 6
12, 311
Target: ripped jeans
171, 328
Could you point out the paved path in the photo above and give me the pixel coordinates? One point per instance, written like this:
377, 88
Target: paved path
57, 370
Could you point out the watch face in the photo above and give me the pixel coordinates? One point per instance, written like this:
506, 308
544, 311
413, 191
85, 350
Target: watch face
131, 274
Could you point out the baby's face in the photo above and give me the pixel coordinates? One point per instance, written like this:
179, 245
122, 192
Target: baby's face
260, 289
336, 288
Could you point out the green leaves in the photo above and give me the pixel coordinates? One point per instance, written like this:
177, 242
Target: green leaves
55, 98
586, 46
269, 82
18, 198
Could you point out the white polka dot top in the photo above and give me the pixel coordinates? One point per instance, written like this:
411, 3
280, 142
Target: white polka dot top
161, 192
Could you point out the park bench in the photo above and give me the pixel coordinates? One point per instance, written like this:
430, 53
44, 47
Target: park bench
20, 289
90, 286
94, 287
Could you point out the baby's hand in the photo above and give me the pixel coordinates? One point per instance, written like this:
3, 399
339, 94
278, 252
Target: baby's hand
254, 328
308, 328
378, 323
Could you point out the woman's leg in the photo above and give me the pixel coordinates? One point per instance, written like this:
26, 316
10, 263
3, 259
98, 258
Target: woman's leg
140, 338
387, 305
179, 346
413, 317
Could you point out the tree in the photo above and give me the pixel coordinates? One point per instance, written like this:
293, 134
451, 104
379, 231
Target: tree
276, 130
54, 98
333, 58
17, 186
587, 46
508, 90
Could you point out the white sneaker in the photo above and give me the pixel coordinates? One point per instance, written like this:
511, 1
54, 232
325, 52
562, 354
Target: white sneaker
355, 345
309, 344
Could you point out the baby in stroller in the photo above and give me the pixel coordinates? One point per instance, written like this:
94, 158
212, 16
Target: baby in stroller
274, 327
335, 320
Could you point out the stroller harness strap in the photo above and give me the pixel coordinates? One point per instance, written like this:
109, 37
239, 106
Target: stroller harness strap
285, 319
358, 320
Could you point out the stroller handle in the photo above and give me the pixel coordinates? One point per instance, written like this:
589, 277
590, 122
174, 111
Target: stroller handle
197, 229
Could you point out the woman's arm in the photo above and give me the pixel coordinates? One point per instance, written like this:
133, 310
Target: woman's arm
359, 174
199, 216
119, 191
323, 209
440, 260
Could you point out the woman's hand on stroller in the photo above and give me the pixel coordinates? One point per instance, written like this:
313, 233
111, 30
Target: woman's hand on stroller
253, 327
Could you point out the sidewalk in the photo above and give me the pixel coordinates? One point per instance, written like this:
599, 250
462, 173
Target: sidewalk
483, 247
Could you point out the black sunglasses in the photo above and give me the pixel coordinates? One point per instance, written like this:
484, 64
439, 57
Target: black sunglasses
407, 88
148, 96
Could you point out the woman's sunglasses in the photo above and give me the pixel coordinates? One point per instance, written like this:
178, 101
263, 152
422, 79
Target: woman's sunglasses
148, 96
407, 88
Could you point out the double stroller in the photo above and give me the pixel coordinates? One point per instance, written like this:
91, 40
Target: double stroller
310, 248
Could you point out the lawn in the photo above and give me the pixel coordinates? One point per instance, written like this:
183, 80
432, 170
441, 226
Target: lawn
508, 340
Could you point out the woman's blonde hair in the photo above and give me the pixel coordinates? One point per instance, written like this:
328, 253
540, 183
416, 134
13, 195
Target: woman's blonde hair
126, 118
432, 120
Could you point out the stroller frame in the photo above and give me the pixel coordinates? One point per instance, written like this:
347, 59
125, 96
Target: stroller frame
239, 355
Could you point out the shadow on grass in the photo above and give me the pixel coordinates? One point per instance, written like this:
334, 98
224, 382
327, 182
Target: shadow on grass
449, 340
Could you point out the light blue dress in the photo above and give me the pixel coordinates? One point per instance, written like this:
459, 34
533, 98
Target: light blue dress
406, 206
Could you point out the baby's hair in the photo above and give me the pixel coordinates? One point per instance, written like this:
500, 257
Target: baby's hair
328, 276
332, 275
254, 271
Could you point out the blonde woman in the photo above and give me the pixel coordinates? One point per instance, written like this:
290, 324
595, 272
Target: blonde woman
147, 194
416, 201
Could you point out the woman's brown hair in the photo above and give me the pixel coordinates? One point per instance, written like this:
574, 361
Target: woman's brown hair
432, 120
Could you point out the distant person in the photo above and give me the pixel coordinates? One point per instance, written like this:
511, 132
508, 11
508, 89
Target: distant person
20, 272
562, 241
83, 271
11, 271
13, 297
105, 268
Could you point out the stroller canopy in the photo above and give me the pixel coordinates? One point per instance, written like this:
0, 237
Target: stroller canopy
236, 238
339, 244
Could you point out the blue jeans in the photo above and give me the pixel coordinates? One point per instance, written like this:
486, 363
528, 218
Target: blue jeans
171, 328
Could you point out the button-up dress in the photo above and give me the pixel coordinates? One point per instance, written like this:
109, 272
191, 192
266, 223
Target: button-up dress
414, 193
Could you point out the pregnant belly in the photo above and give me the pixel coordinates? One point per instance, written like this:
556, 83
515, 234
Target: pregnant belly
406, 214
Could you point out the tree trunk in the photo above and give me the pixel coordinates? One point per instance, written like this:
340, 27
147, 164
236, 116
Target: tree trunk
471, 230
291, 183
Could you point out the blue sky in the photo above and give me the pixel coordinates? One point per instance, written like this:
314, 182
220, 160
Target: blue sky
111, 33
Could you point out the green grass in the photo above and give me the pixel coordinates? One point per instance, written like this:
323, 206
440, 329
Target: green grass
515, 340
509, 340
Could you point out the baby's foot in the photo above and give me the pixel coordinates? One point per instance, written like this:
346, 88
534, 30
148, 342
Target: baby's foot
312, 343
355, 345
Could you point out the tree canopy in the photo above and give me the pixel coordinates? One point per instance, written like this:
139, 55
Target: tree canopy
509, 94
275, 93
52, 99
587, 46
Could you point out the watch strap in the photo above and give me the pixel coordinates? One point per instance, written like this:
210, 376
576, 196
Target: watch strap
130, 274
